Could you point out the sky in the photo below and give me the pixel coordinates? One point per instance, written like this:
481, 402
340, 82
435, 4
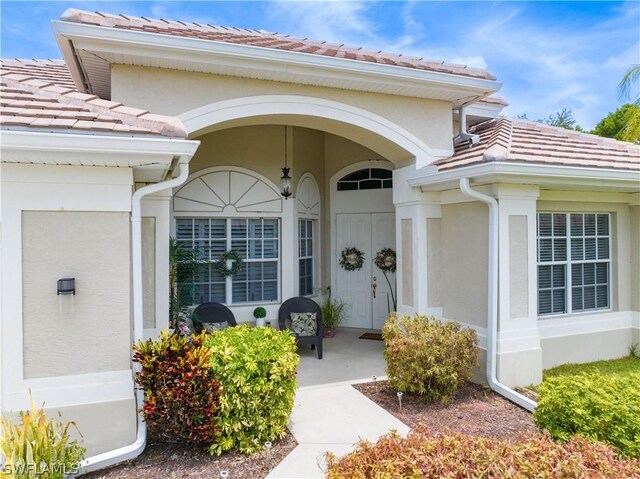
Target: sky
548, 55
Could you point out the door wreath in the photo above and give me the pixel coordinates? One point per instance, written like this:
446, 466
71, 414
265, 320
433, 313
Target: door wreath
351, 259
236, 263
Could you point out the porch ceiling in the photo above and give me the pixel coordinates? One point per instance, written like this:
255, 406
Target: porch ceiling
381, 145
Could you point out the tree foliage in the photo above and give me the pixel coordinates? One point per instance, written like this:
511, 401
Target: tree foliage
622, 124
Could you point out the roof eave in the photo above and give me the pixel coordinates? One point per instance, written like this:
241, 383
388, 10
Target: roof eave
546, 176
273, 64
151, 158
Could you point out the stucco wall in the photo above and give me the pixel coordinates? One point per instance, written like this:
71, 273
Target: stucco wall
89, 331
464, 262
257, 148
635, 257
149, 271
406, 230
434, 262
518, 267
174, 92
584, 348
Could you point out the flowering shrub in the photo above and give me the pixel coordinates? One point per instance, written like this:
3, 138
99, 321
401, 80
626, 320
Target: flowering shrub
181, 394
428, 357
257, 370
594, 405
425, 456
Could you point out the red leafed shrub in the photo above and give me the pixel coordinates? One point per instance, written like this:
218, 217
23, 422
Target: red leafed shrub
181, 393
425, 456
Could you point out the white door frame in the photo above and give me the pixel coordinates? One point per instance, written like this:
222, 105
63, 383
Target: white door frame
336, 207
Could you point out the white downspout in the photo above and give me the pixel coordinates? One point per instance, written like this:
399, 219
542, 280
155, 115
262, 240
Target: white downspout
132, 451
492, 316
463, 134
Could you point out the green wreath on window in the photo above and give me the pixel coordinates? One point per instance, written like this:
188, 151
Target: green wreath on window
237, 262
351, 259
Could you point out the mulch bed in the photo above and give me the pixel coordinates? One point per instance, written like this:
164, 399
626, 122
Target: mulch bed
474, 410
175, 461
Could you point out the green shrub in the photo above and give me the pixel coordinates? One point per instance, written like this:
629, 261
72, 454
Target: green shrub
428, 357
180, 390
594, 405
425, 456
38, 447
257, 370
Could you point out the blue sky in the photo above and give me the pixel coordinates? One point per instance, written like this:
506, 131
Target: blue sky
548, 55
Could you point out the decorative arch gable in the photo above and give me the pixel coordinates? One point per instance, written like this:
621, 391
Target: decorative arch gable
228, 190
308, 196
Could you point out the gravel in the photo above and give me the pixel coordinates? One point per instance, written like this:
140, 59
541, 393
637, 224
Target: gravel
175, 461
474, 410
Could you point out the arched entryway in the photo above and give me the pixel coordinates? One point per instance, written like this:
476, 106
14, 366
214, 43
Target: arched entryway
324, 142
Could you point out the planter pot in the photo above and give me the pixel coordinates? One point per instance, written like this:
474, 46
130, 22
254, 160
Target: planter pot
329, 332
259, 322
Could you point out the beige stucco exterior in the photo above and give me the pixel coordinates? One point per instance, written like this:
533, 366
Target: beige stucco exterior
464, 229
87, 332
70, 352
173, 92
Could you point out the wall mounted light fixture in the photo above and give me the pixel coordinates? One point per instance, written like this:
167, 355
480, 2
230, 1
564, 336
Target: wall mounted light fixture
67, 286
285, 180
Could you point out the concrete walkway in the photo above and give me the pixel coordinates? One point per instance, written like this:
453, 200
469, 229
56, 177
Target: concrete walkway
331, 417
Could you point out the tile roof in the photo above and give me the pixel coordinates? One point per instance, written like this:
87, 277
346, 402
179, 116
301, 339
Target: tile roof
41, 94
519, 141
261, 38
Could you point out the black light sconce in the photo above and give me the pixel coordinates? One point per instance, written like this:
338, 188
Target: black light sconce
67, 286
285, 180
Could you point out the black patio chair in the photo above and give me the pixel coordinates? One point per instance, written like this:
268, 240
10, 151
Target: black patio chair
212, 313
303, 305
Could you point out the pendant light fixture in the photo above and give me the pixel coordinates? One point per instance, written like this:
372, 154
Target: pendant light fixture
285, 180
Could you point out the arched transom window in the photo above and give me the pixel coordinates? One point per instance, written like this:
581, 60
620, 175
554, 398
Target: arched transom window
366, 179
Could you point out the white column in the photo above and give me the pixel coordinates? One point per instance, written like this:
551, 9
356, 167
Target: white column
289, 250
158, 206
519, 352
413, 207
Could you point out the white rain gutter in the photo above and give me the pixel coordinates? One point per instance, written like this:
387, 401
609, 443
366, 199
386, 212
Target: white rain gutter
132, 451
492, 316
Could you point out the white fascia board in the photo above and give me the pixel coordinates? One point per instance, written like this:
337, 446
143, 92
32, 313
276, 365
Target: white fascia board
155, 45
18, 146
429, 179
483, 110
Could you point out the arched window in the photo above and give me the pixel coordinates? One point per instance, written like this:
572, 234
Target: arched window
225, 209
366, 179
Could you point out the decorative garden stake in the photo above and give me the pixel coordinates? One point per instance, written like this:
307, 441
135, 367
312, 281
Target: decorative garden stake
400, 399
385, 260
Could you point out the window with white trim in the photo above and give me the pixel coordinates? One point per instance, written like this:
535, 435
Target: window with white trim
305, 257
574, 262
255, 239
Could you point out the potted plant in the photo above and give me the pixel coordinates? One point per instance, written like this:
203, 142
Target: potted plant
333, 313
259, 314
182, 266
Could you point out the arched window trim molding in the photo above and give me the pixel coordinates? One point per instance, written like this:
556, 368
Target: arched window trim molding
229, 210
308, 211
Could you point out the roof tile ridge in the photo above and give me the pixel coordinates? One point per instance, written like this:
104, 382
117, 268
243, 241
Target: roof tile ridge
109, 20
497, 148
576, 134
135, 117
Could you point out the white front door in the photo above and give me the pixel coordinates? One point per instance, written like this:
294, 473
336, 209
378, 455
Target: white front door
366, 291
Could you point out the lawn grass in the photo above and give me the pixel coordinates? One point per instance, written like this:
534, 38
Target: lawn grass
613, 367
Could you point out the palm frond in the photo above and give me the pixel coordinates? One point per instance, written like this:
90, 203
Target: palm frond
630, 78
